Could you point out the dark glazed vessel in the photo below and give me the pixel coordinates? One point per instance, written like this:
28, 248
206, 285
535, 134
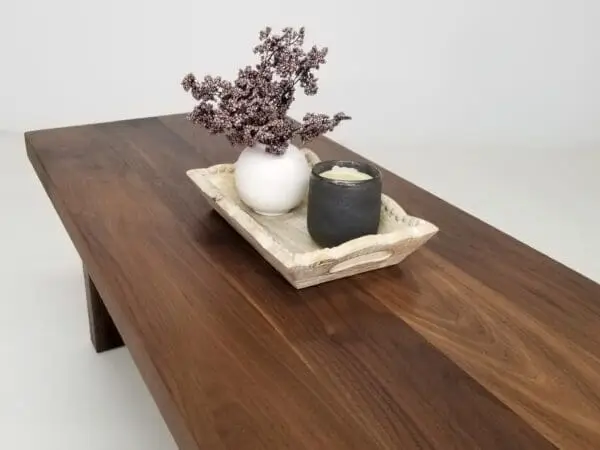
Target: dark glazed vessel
339, 211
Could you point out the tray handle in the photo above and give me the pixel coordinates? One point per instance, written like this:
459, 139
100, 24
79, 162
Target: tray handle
361, 260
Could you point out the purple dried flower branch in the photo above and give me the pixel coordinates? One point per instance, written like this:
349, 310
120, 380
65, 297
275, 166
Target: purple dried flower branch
253, 108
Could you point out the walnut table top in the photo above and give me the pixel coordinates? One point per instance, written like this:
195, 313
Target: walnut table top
475, 341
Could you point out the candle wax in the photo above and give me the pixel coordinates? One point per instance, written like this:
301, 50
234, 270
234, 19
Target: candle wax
345, 174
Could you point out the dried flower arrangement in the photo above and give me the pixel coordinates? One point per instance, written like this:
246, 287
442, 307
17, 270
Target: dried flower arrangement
253, 109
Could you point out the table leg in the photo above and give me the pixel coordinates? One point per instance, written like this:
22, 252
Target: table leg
105, 335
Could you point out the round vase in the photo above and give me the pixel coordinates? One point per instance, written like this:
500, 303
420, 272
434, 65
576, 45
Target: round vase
271, 184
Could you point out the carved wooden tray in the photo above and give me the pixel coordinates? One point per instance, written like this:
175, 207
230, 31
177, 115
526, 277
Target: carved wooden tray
284, 240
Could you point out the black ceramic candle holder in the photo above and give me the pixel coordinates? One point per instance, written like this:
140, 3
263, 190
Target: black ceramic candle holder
342, 210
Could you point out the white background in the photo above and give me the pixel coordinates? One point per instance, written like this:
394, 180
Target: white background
492, 105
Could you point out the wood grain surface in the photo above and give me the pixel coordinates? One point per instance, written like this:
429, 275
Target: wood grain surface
475, 342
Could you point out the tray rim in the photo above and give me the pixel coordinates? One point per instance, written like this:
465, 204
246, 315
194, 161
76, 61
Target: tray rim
414, 227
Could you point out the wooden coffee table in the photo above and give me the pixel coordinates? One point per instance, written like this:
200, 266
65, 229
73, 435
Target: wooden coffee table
476, 341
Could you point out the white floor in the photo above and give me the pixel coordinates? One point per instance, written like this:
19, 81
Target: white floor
56, 393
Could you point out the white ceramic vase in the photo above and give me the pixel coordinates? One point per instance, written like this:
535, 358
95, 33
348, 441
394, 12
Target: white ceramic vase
271, 184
